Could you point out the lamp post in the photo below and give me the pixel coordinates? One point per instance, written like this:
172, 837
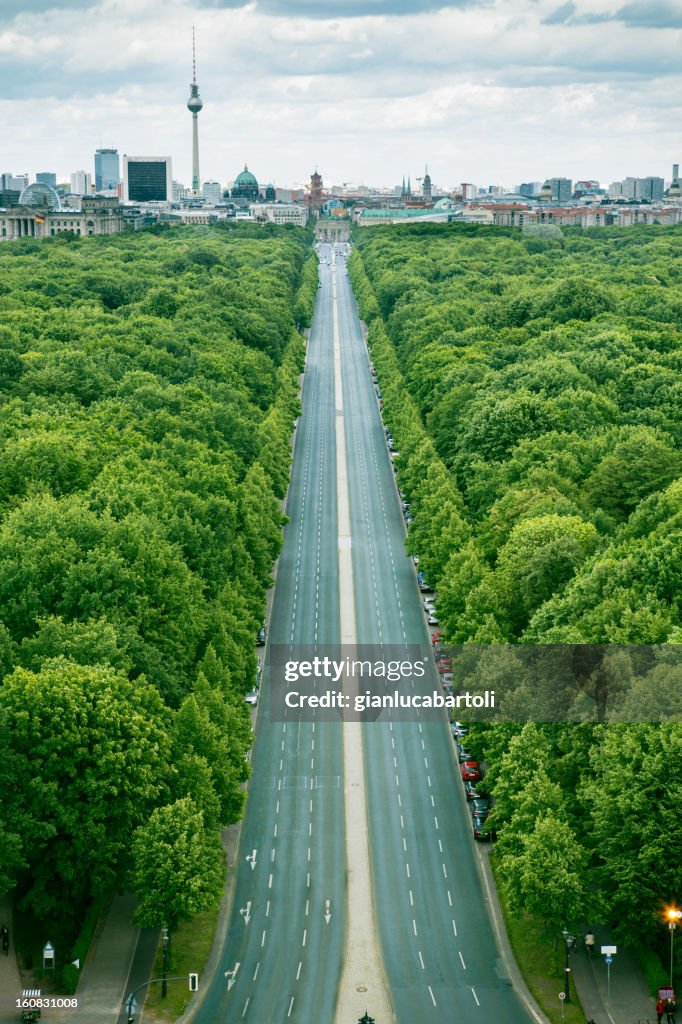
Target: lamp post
166, 938
568, 942
674, 916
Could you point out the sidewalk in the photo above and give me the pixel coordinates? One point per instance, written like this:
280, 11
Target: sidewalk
628, 1001
10, 980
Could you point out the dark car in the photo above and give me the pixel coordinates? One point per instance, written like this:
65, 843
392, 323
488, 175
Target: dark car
470, 771
463, 753
478, 821
479, 805
260, 638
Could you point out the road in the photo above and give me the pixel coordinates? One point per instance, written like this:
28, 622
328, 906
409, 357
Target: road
283, 957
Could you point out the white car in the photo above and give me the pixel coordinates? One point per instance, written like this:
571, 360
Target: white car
433, 620
252, 698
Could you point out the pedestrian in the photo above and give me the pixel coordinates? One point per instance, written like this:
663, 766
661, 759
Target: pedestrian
4, 935
670, 1011
660, 1008
589, 942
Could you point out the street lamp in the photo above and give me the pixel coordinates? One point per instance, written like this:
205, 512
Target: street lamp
674, 916
164, 986
568, 944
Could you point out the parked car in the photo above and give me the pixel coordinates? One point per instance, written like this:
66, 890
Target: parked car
433, 620
480, 805
459, 729
437, 637
478, 822
463, 753
252, 697
470, 771
470, 791
260, 638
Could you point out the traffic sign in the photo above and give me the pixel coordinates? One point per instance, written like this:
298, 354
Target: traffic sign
562, 996
609, 950
608, 959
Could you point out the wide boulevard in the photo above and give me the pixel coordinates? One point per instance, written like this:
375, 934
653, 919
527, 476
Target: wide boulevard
284, 953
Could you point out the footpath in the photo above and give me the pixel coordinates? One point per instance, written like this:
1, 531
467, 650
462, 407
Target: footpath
623, 1000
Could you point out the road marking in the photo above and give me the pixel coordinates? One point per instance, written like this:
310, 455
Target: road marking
267, 909
255, 973
454, 927
445, 874
246, 1006
270, 882
407, 868
291, 1006
473, 991
272, 855
428, 779
246, 912
433, 998
436, 821
414, 926
440, 846
275, 831
262, 941
421, 960
462, 959
305, 936
411, 899
404, 845
251, 857
298, 972
307, 907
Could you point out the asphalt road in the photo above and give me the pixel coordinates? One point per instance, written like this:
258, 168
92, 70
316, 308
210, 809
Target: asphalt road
437, 941
284, 951
282, 958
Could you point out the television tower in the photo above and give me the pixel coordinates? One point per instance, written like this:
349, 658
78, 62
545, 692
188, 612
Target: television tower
194, 104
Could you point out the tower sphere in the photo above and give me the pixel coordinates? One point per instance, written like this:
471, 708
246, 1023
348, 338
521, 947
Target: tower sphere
194, 103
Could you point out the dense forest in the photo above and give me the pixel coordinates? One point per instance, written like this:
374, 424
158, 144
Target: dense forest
149, 385
533, 389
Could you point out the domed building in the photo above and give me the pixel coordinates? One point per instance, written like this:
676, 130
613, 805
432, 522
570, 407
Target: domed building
245, 186
40, 195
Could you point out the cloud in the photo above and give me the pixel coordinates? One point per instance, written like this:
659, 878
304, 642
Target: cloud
651, 14
561, 14
324, 9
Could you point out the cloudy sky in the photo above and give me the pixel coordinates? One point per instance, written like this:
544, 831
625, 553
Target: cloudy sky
486, 91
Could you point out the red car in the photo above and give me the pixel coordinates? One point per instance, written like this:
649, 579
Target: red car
437, 637
470, 771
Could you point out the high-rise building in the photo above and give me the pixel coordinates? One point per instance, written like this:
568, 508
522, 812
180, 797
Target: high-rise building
676, 172
562, 189
212, 190
650, 188
194, 105
81, 183
13, 182
468, 191
107, 171
46, 178
147, 179
529, 188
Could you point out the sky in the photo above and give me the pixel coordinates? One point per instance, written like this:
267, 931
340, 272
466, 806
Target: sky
483, 91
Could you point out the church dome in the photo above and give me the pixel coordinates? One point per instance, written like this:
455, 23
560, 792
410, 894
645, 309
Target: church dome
245, 179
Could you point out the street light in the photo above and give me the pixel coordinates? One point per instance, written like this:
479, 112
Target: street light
568, 943
164, 986
674, 916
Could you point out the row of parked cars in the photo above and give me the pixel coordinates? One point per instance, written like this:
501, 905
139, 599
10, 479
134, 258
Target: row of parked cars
477, 801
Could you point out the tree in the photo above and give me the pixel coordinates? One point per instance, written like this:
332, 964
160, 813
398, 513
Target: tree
178, 866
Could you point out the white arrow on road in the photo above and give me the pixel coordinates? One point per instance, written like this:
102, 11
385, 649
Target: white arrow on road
327, 911
232, 975
246, 912
251, 857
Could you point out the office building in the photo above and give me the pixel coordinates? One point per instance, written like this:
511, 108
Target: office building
562, 189
46, 178
81, 183
107, 170
212, 190
147, 179
13, 182
650, 188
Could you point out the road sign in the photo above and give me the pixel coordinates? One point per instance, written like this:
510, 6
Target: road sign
609, 950
562, 996
608, 959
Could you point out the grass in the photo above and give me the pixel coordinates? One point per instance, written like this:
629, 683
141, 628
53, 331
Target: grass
190, 949
539, 962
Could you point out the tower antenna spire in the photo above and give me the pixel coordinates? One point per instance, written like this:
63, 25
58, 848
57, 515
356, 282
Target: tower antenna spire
194, 58
194, 105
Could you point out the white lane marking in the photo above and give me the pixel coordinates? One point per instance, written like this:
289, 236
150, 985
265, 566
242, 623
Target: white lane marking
473, 992
414, 926
421, 959
246, 1006
275, 831
262, 941
407, 868
436, 821
255, 973
307, 907
267, 909
291, 1006
272, 855
449, 897
462, 959
404, 844
428, 779
270, 882
440, 846
445, 874
454, 927
305, 936
298, 972
433, 998
411, 899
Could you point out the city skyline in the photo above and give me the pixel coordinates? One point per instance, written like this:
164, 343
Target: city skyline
494, 93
